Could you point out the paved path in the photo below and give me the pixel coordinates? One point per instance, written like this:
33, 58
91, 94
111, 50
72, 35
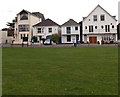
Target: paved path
62, 45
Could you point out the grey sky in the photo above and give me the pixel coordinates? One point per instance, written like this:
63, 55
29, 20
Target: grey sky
58, 10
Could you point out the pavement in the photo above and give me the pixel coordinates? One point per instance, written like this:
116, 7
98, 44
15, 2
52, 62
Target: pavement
60, 45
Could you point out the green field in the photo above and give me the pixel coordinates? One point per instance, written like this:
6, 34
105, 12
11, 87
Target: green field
60, 71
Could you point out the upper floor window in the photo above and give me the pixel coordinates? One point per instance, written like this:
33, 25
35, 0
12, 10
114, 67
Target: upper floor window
39, 30
23, 16
102, 17
50, 30
21, 36
68, 29
85, 27
94, 17
76, 28
23, 28
91, 28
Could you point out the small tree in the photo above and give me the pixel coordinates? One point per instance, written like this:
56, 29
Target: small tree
55, 38
34, 39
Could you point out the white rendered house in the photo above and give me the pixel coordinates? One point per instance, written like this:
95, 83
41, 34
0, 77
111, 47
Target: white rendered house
118, 12
45, 29
70, 32
119, 20
99, 26
23, 25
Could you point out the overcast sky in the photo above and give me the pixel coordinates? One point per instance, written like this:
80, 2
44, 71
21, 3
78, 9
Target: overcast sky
57, 10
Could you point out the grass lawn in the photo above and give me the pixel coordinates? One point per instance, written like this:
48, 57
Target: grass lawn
60, 71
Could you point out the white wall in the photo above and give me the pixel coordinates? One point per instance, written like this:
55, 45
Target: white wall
119, 12
108, 21
55, 30
64, 39
73, 31
32, 20
4, 37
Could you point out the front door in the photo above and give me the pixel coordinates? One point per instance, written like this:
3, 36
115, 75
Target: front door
93, 39
77, 38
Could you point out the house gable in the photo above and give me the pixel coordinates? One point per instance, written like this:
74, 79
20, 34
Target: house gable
98, 11
70, 22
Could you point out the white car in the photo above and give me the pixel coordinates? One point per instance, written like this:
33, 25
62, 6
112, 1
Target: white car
47, 41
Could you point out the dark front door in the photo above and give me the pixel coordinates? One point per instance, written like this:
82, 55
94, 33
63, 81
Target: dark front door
77, 38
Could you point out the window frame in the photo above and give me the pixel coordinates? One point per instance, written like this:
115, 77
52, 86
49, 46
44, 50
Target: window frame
101, 17
69, 39
24, 28
76, 28
50, 30
91, 28
39, 30
24, 16
95, 18
68, 30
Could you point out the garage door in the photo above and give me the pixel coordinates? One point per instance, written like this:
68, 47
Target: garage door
93, 39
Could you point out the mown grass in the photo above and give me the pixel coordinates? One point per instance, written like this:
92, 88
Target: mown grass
60, 71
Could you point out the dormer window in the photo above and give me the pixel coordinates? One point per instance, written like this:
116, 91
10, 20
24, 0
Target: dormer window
23, 15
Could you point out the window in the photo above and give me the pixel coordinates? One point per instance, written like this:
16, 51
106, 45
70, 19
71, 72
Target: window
50, 30
113, 26
102, 17
24, 16
107, 28
105, 38
95, 27
23, 28
91, 28
102, 27
85, 27
24, 35
21, 36
95, 18
39, 30
76, 28
68, 30
68, 38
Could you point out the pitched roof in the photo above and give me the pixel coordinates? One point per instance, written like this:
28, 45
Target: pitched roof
37, 14
47, 22
102, 9
70, 22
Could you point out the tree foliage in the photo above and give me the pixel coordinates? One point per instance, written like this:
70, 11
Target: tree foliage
55, 38
34, 38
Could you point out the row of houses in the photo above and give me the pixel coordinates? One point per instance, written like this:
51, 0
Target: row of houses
99, 26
